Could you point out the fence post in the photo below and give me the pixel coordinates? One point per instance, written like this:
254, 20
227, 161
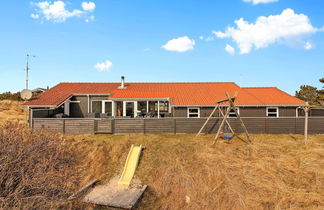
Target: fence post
295, 125
113, 126
265, 125
95, 125
63, 126
175, 126
144, 127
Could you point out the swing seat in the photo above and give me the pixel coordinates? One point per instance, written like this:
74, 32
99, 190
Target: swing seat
227, 137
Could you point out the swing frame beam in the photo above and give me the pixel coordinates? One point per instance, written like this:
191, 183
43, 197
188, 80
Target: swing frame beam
225, 116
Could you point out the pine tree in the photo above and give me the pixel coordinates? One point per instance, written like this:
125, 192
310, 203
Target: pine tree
321, 93
308, 93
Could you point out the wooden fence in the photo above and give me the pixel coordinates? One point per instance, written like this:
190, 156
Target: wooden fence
175, 125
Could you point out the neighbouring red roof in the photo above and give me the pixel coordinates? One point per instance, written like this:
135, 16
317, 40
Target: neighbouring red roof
180, 94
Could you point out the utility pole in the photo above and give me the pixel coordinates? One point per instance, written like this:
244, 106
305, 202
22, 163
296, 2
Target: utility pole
27, 68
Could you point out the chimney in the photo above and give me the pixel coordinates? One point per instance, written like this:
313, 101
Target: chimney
122, 82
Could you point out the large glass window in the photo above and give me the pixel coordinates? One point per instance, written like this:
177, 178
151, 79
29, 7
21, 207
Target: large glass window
96, 106
153, 106
119, 108
164, 106
130, 109
272, 112
193, 112
142, 108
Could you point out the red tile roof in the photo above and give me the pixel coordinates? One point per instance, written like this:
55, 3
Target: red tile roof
272, 95
180, 94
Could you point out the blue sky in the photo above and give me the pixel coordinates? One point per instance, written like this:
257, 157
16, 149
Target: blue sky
167, 41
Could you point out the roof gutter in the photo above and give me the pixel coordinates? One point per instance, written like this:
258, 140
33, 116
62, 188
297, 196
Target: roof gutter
69, 97
243, 105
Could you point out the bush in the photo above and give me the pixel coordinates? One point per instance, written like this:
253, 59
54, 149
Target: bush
37, 169
10, 96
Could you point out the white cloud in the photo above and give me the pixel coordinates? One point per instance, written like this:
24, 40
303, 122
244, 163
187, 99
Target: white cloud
210, 38
260, 1
88, 6
207, 39
308, 45
34, 16
180, 44
90, 19
57, 12
230, 49
286, 27
104, 66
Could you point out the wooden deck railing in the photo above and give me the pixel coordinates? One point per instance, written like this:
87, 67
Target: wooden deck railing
175, 125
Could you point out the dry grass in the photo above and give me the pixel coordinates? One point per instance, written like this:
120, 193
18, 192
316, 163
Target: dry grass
277, 172
37, 170
11, 110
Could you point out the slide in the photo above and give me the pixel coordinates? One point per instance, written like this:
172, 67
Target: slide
130, 165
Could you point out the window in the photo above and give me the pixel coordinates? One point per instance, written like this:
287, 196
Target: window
108, 108
193, 113
119, 108
142, 106
164, 106
153, 106
272, 112
96, 107
232, 112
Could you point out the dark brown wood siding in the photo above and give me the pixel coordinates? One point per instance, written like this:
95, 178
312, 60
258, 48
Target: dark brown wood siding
46, 113
104, 126
80, 110
253, 111
179, 112
244, 111
79, 126
287, 111
317, 112
56, 125
129, 126
177, 125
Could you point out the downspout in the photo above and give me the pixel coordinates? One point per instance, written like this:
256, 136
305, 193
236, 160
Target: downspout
88, 104
158, 109
31, 119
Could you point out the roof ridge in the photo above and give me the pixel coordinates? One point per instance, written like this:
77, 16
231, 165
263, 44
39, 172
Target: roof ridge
253, 96
149, 83
289, 94
259, 87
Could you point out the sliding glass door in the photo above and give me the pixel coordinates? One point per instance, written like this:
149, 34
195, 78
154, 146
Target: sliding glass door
108, 108
130, 108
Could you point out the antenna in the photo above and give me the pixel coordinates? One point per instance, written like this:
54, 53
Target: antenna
27, 68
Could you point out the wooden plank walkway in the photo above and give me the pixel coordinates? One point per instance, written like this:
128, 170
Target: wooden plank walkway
110, 194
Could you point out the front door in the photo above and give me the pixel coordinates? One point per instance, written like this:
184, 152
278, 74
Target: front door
130, 106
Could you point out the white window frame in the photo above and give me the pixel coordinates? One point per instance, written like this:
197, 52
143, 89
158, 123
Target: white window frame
277, 112
233, 112
135, 108
94, 101
188, 114
102, 105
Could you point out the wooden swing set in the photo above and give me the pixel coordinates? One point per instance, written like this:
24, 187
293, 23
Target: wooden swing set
225, 116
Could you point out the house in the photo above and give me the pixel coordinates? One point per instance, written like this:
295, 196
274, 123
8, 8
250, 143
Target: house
160, 100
